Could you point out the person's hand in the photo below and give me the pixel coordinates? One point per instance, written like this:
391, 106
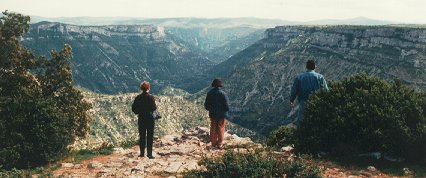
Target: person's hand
292, 104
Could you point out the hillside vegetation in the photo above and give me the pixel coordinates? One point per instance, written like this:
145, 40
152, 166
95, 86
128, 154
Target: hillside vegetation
114, 123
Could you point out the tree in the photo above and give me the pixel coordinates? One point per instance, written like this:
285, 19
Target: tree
41, 113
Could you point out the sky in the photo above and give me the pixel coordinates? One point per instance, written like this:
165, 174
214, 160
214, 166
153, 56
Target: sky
406, 11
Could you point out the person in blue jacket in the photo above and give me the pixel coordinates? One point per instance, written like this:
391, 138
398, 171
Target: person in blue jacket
303, 86
217, 104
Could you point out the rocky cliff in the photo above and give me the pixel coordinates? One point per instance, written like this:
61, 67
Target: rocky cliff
258, 79
116, 58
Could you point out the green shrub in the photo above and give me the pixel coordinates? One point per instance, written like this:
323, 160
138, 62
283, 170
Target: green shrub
364, 114
17, 173
83, 154
13, 173
106, 151
283, 136
129, 143
35, 134
300, 168
258, 164
41, 113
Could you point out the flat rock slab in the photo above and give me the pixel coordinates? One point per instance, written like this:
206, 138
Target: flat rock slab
173, 167
67, 165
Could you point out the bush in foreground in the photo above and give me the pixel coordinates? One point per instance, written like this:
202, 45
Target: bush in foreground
283, 136
365, 114
11, 173
258, 164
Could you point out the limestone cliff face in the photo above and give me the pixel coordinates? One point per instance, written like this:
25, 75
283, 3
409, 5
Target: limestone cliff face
116, 58
259, 78
218, 41
88, 32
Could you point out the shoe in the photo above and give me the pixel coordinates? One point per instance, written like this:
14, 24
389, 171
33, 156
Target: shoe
151, 157
141, 156
220, 147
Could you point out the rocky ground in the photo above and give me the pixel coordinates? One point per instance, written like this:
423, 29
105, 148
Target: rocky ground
175, 154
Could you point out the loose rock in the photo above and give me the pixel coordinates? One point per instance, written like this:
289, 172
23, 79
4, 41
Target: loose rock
94, 164
371, 168
67, 165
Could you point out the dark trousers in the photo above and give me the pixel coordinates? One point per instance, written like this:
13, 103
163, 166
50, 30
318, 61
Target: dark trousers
146, 135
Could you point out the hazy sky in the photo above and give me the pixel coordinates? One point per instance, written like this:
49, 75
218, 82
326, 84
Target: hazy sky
413, 11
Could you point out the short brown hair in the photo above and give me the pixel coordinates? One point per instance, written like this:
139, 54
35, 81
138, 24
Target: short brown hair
217, 83
145, 86
310, 64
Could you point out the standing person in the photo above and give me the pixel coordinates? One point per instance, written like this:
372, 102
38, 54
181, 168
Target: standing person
303, 86
217, 105
144, 105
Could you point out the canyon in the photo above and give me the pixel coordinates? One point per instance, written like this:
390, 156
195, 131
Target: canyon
113, 59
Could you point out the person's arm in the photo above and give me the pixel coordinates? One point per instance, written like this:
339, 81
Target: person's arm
153, 104
226, 102
295, 90
136, 106
324, 83
207, 102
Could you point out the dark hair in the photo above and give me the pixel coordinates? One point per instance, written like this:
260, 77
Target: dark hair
145, 86
310, 64
216, 83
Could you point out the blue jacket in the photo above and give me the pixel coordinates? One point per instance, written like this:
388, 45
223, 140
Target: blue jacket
306, 84
217, 104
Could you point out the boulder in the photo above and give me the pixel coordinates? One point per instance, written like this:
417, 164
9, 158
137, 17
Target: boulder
287, 149
94, 164
192, 165
78, 166
173, 167
67, 165
140, 168
114, 165
371, 168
